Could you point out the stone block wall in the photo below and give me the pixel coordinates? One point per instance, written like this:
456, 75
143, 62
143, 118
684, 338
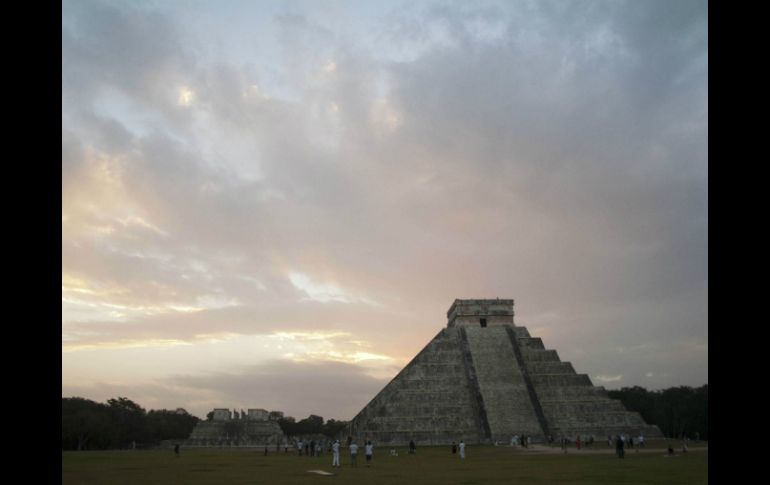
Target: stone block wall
236, 433
429, 400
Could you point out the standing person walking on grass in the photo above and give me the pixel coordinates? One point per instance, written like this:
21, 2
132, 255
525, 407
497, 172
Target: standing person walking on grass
369, 450
336, 454
354, 455
462, 450
619, 445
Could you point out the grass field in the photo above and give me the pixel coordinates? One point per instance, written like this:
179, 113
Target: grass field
436, 465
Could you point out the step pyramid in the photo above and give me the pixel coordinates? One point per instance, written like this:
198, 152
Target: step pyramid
483, 379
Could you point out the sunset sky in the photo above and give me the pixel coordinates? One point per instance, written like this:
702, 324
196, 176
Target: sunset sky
273, 204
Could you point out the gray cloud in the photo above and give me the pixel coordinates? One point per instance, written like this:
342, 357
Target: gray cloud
551, 152
299, 389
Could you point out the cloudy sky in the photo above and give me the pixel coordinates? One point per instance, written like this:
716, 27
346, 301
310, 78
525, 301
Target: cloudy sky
273, 204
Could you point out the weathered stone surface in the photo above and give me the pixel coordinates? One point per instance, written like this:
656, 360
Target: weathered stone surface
483, 379
255, 428
244, 432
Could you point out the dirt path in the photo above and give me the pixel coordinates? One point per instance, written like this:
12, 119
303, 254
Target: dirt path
604, 451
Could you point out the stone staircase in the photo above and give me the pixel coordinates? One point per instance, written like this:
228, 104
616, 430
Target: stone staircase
572, 405
507, 401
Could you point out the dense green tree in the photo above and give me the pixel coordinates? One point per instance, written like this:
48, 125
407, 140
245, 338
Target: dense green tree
88, 425
169, 425
85, 425
333, 428
288, 426
131, 423
311, 425
677, 411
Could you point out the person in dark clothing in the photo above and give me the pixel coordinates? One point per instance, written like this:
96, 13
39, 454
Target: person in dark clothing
412, 447
176, 449
619, 445
454, 448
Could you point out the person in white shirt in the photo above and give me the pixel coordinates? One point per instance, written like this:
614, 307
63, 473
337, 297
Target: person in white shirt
462, 450
336, 454
368, 450
353, 455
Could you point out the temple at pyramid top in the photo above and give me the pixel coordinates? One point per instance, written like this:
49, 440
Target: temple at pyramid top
480, 313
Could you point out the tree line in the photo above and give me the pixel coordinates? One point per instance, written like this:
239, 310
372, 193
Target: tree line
312, 425
678, 411
120, 423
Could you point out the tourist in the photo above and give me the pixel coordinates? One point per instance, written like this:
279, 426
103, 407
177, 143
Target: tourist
412, 447
454, 448
336, 454
462, 450
353, 455
369, 450
619, 445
